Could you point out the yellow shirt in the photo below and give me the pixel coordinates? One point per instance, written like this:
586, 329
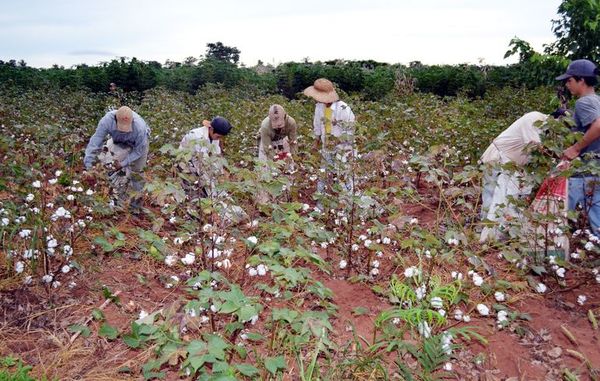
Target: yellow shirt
328, 117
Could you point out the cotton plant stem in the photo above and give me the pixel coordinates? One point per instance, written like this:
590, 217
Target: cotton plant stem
89, 318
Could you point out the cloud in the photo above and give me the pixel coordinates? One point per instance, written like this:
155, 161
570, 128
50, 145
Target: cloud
91, 52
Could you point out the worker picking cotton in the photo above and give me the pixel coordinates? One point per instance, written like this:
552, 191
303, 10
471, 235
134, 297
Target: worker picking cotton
513, 145
277, 135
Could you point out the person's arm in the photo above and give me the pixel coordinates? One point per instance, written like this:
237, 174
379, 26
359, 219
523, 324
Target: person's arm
96, 141
266, 139
318, 126
592, 133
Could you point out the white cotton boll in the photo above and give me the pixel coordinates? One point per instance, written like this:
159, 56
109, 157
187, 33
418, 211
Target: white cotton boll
324, 245
36, 184
375, 263
30, 197
305, 207
581, 299
396, 321
5, 221
368, 243
437, 302
56, 284
540, 288
499, 296
477, 280
213, 308
65, 269
172, 220
58, 172
386, 241
89, 192
374, 271
414, 221
442, 312
483, 309
226, 263
253, 240
355, 247
411, 272
52, 181
560, 272
466, 318
424, 329
24, 233
47, 278
254, 319
51, 243
261, 270
502, 316
448, 366
420, 292
28, 280
589, 246
70, 197
178, 241
142, 314
188, 259
170, 260
575, 255
362, 237
252, 271
175, 278
19, 267
343, 264
457, 275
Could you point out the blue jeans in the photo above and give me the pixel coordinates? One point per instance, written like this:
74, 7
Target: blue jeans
585, 191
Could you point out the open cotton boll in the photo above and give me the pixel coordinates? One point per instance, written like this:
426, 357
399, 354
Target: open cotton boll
188, 259
499, 296
261, 270
437, 302
170, 260
483, 309
540, 288
343, 264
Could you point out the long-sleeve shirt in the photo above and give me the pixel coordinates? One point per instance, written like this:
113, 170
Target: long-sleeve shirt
342, 120
268, 135
137, 139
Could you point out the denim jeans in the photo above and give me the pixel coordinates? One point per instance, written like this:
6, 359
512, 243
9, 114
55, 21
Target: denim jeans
585, 191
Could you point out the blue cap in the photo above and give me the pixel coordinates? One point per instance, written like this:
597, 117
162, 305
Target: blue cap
220, 125
579, 68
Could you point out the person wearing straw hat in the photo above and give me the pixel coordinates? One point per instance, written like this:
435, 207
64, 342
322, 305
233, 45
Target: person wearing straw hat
277, 135
126, 151
580, 79
201, 148
333, 128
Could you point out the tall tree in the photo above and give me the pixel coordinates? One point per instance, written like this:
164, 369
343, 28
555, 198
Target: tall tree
222, 52
577, 30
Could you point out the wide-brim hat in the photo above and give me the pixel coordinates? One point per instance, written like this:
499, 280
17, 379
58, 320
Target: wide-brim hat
322, 91
124, 119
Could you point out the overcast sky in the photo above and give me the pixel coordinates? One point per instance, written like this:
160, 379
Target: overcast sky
432, 31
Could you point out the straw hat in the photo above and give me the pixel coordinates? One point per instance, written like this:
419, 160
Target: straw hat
322, 91
124, 119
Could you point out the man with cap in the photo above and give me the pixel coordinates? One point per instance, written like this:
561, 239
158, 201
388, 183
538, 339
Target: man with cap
126, 150
584, 187
333, 128
277, 135
201, 144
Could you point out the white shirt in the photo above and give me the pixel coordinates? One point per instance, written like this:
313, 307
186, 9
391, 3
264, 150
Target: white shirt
201, 141
341, 112
510, 144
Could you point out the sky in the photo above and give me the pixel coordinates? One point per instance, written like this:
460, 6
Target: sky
67, 32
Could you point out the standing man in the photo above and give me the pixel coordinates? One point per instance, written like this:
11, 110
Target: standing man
584, 187
333, 128
277, 135
127, 150
201, 144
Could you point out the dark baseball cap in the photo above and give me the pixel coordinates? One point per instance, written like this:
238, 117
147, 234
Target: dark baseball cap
219, 125
579, 68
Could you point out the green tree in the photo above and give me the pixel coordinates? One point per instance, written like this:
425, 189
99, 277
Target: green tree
222, 52
577, 30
